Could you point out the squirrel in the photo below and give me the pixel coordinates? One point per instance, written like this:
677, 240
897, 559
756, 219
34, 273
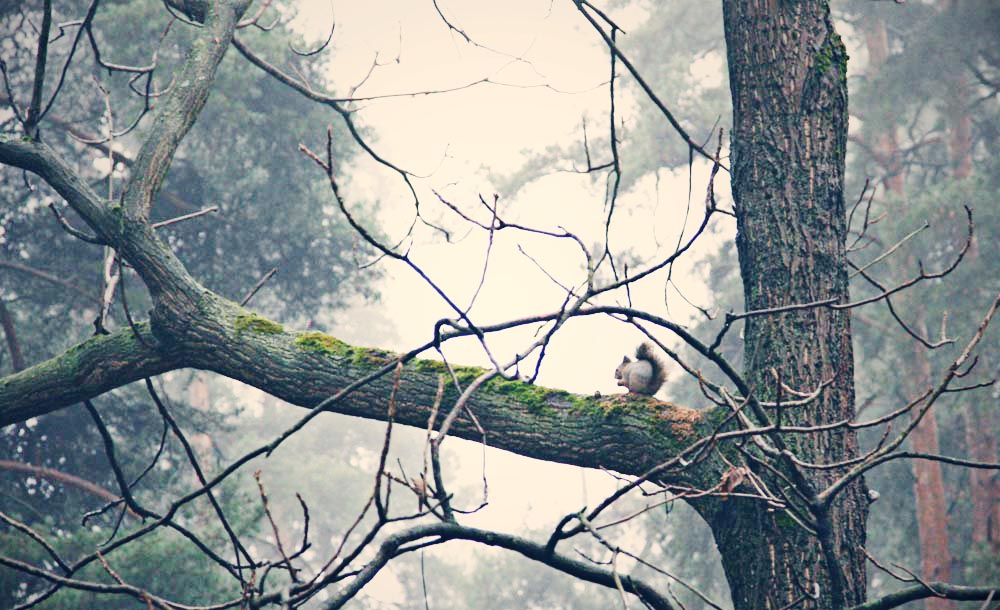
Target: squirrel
645, 374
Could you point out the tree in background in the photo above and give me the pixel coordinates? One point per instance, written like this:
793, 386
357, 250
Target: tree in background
911, 133
925, 80
772, 463
56, 467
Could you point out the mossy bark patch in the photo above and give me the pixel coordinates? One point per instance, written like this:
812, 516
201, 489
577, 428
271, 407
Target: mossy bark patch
321, 342
258, 324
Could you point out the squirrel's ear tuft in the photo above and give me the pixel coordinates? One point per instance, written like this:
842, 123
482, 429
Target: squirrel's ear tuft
626, 360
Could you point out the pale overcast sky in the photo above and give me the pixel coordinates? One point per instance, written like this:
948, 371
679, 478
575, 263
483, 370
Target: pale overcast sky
457, 142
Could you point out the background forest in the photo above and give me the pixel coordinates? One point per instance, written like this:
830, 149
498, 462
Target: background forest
924, 141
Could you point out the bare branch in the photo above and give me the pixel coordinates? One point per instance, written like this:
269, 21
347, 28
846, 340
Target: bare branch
178, 110
52, 278
827, 495
166, 223
931, 589
263, 280
82, 585
34, 107
90, 239
582, 5
65, 478
394, 546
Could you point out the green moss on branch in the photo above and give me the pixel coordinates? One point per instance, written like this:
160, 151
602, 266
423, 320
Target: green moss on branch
314, 341
257, 324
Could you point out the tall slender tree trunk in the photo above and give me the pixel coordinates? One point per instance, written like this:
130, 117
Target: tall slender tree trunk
980, 423
980, 419
959, 119
960, 131
928, 485
885, 148
7, 323
788, 79
928, 482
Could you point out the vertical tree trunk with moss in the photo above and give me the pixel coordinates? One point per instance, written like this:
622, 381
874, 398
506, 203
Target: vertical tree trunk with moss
788, 79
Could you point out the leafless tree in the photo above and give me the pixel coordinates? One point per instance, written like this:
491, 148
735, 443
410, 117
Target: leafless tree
770, 460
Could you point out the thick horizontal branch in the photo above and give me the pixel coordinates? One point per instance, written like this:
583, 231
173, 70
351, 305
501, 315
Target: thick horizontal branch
624, 433
191, 327
98, 365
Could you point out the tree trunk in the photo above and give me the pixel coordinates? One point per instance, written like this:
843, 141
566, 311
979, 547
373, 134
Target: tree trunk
928, 487
980, 422
885, 148
788, 79
959, 118
984, 485
928, 483
7, 323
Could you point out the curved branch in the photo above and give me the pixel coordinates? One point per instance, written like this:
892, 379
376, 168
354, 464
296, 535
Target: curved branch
64, 478
614, 50
99, 587
940, 589
38, 158
628, 435
442, 532
98, 365
177, 111
51, 277
134, 239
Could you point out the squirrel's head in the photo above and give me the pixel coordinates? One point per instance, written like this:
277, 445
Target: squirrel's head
620, 371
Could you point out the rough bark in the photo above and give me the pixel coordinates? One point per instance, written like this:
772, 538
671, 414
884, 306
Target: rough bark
628, 435
788, 79
89, 369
